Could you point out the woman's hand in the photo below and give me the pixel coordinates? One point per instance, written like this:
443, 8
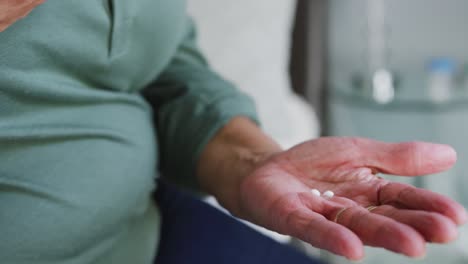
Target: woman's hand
277, 194
13, 10
254, 179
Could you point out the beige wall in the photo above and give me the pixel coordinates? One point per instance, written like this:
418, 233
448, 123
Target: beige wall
248, 43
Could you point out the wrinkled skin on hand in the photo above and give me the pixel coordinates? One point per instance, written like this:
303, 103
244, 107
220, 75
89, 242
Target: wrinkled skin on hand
13, 10
277, 194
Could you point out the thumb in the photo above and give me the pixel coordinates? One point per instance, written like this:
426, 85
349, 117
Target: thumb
408, 158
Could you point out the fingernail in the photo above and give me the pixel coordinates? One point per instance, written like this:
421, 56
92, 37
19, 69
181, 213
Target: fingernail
419, 257
444, 152
464, 217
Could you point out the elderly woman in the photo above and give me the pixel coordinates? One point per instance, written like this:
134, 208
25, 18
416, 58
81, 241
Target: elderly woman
78, 150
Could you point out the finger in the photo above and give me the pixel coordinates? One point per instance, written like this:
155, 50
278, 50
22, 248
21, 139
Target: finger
420, 199
380, 231
433, 227
316, 230
409, 158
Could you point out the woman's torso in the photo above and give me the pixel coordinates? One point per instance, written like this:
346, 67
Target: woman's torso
77, 146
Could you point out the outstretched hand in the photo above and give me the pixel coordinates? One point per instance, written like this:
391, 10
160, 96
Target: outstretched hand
366, 209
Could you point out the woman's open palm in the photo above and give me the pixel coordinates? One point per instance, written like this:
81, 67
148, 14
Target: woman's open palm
366, 209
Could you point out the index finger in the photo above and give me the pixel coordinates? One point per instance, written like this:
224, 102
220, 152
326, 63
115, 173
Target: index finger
318, 231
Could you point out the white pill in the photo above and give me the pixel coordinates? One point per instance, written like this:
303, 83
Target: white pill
315, 192
328, 194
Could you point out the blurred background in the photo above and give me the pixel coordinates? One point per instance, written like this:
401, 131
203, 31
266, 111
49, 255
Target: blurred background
392, 70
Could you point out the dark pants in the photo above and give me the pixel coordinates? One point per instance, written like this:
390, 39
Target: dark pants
195, 232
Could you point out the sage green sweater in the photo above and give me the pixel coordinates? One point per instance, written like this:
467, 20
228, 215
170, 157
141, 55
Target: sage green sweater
78, 151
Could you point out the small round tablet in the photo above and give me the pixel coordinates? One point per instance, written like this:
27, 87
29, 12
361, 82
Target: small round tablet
315, 192
328, 194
